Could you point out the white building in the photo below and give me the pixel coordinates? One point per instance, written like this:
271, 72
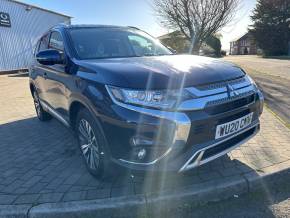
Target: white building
21, 25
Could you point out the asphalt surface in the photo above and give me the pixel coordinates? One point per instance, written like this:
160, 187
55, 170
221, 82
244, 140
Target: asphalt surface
273, 77
276, 91
266, 204
276, 67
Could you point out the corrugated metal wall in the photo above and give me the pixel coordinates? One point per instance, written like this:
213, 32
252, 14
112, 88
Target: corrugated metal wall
18, 41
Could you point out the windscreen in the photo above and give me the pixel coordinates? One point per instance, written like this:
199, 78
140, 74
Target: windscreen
96, 43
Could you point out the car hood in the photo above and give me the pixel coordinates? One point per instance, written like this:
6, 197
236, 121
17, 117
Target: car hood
162, 72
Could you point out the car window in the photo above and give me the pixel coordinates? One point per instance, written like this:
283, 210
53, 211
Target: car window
56, 41
43, 43
90, 43
141, 45
36, 47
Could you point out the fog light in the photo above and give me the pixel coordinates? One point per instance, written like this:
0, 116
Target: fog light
141, 154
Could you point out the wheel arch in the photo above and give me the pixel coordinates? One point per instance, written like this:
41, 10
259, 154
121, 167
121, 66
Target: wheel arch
77, 102
74, 108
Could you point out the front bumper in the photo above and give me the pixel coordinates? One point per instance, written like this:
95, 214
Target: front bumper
184, 140
219, 148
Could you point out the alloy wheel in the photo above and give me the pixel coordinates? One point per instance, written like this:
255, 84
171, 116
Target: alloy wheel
89, 145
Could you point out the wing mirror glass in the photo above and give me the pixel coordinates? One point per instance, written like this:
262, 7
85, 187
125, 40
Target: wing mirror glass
172, 50
50, 57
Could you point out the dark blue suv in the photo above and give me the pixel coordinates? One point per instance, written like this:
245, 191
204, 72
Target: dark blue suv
135, 104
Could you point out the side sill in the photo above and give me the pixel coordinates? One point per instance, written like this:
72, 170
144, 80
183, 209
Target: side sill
54, 113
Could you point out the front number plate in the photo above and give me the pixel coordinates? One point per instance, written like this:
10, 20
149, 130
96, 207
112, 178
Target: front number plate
233, 126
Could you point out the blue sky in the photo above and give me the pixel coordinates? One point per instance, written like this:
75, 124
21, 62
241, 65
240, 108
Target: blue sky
137, 13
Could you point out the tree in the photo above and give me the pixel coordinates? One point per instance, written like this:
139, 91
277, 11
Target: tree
176, 41
271, 26
215, 42
196, 19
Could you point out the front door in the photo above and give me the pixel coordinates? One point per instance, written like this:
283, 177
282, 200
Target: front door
40, 70
57, 79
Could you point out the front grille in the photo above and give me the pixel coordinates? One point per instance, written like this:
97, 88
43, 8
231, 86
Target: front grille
227, 144
229, 99
204, 131
214, 109
235, 116
218, 106
220, 84
221, 93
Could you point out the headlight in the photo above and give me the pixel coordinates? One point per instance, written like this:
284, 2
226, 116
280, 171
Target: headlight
161, 99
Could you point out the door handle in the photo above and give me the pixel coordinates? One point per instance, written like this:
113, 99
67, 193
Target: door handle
45, 75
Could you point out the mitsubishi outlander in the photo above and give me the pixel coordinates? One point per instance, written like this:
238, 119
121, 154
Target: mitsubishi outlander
135, 104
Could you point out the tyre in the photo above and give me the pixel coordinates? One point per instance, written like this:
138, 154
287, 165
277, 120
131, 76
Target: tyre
40, 112
93, 145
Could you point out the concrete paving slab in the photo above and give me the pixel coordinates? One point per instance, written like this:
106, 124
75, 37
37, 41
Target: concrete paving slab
40, 162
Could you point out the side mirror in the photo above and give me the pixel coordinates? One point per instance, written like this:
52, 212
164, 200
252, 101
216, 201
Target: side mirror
50, 57
172, 50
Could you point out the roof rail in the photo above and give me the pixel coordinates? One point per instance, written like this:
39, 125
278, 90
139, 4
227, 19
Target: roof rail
59, 25
133, 27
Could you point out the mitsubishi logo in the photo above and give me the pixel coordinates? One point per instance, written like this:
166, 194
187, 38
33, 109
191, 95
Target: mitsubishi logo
231, 91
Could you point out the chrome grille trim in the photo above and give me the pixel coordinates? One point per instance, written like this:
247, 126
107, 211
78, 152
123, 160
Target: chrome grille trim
221, 84
201, 103
220, 87
226, 100
205, 98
